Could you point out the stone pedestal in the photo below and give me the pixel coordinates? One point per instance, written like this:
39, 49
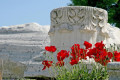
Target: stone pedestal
72, 25
1, 68
114, 70
0, 75
11, 69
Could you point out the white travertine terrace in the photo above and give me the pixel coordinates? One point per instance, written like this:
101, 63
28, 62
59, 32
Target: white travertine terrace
71, 25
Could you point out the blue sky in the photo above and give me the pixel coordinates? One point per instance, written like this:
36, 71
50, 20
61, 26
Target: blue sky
13, 12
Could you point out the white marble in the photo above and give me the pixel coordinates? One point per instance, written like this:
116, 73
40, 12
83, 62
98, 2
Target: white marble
76, 24
23, 44
113, 69
70, 25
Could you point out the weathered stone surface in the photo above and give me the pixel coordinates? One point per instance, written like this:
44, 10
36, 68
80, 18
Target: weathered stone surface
74, 25
114, 70
22, 45
11, 69
70, 25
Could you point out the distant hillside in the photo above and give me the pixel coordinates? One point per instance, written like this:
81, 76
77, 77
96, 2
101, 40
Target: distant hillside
24, 28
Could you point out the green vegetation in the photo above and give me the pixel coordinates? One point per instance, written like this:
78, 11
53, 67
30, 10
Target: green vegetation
112, 6
77, 73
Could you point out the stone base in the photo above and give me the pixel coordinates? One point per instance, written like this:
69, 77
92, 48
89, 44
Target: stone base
114, 70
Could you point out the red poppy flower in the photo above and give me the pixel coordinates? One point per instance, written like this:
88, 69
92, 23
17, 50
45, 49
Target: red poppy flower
104, 62
73, 61
60, 63
110, 55
99, 45
82, 54
62, 55
100, 55
92, 52
47, 64
74, 55
87, 44
75, 48
116, 56
50, 48
103, 57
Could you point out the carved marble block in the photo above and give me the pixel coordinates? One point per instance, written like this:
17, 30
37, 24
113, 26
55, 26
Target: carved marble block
76, 24
114, 70
72, 25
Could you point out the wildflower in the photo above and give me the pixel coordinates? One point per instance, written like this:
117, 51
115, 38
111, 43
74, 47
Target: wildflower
60, 63
82, 54
110, 55
103, 57
75, 48
50, 48
62, 55
73, 61
92, 52
116, 56
99, 45
47, 64
87, 44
